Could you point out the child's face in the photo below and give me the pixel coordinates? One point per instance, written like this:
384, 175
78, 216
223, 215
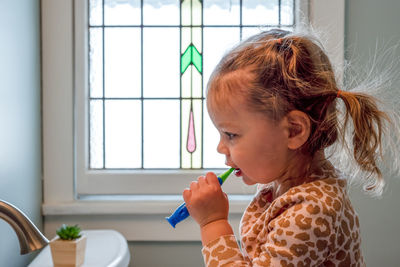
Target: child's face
251, 142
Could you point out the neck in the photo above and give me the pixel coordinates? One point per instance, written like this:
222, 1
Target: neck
300, 172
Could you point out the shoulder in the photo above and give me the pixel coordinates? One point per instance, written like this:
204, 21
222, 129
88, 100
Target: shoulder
328, 191
321, 200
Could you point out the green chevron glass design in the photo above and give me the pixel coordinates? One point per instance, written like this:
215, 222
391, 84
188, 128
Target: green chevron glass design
191, 56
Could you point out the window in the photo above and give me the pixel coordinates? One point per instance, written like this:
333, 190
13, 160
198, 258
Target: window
143, 90
149, 62
144, 192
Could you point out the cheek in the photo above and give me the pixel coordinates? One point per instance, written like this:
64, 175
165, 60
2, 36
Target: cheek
272, 156
277, 154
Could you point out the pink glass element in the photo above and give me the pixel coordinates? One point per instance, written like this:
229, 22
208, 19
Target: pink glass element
191, 140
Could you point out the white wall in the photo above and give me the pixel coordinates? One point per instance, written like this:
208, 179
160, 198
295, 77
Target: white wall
20, 141
369, 22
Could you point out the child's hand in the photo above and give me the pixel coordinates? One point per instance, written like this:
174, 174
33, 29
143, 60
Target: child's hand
205, 200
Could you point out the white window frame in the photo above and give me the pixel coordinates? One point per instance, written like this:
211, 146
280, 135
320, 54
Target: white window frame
68, 190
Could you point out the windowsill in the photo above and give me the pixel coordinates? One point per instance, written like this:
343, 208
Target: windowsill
132, 204
137, 218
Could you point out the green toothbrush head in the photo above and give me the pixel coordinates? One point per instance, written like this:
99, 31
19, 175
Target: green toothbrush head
226, 174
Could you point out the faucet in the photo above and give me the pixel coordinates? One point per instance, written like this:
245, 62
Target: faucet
30, 238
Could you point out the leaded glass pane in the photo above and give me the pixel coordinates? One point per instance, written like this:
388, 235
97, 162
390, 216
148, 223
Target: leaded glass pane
157, 12
122, 62
196, 13
191, 35
211, 159
161, 62
217, 41
161, 133
250, 31
96, 134
259, 12
197, 111
191, 158
118, 12
287, 12
123, 135
191, 83
96, 12
96, 62
191, 13
287, 28
221, 12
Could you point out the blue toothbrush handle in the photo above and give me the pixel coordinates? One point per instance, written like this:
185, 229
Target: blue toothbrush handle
179, 215
182, 212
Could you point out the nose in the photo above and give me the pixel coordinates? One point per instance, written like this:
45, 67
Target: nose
222, 148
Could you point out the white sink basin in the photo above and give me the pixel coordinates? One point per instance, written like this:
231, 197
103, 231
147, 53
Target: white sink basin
106, 248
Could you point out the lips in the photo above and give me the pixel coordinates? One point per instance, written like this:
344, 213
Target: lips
238, 172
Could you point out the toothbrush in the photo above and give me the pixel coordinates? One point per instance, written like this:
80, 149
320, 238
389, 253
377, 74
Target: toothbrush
182, 213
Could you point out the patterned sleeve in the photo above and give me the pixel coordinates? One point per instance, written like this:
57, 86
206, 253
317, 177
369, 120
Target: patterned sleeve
223, 251
298, 230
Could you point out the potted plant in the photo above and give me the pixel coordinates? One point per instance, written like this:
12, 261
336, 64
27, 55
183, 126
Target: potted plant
68, 247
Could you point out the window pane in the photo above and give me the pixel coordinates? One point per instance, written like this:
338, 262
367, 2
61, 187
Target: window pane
123, 134
161, 62
96, 134
191, 35
221, 12
211, 159
191, 13
96, 62
157, 12
122, 62
95, 12
258, 12
217, 41
161, 133
287, 17
191, 142
122, 12
250, 31
191, 83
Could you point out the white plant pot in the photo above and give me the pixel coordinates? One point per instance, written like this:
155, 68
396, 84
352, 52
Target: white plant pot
68, 252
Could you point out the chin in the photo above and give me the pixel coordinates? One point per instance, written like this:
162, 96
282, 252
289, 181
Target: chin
247, 181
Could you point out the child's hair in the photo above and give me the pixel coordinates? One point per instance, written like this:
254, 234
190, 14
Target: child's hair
279, 72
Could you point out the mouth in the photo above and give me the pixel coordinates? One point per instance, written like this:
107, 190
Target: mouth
237, 172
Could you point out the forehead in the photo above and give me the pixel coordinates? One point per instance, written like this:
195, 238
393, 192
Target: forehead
238, 117
226, 90
232, 115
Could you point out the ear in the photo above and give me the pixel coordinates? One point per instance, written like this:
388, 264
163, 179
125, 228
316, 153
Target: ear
299, 127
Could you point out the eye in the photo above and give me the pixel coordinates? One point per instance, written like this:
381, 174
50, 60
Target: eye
230, 135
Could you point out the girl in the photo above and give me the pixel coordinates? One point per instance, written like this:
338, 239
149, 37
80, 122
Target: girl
280, 117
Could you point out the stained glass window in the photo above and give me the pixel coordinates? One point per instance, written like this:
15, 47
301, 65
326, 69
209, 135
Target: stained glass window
149, 62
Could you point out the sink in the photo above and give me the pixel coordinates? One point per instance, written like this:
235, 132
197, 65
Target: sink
106, 248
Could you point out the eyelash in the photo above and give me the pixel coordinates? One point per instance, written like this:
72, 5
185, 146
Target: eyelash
230, 135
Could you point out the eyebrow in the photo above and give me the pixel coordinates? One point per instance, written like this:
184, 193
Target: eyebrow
227, 124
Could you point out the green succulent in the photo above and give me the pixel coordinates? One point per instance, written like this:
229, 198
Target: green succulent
66, 232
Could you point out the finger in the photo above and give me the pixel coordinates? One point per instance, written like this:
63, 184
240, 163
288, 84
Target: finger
186, 194
212, 178
194, 186
202, 181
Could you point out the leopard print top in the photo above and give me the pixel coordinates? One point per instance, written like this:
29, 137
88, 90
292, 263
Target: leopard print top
313, 224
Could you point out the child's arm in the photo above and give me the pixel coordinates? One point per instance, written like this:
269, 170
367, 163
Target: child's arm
208, 205
214, 230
